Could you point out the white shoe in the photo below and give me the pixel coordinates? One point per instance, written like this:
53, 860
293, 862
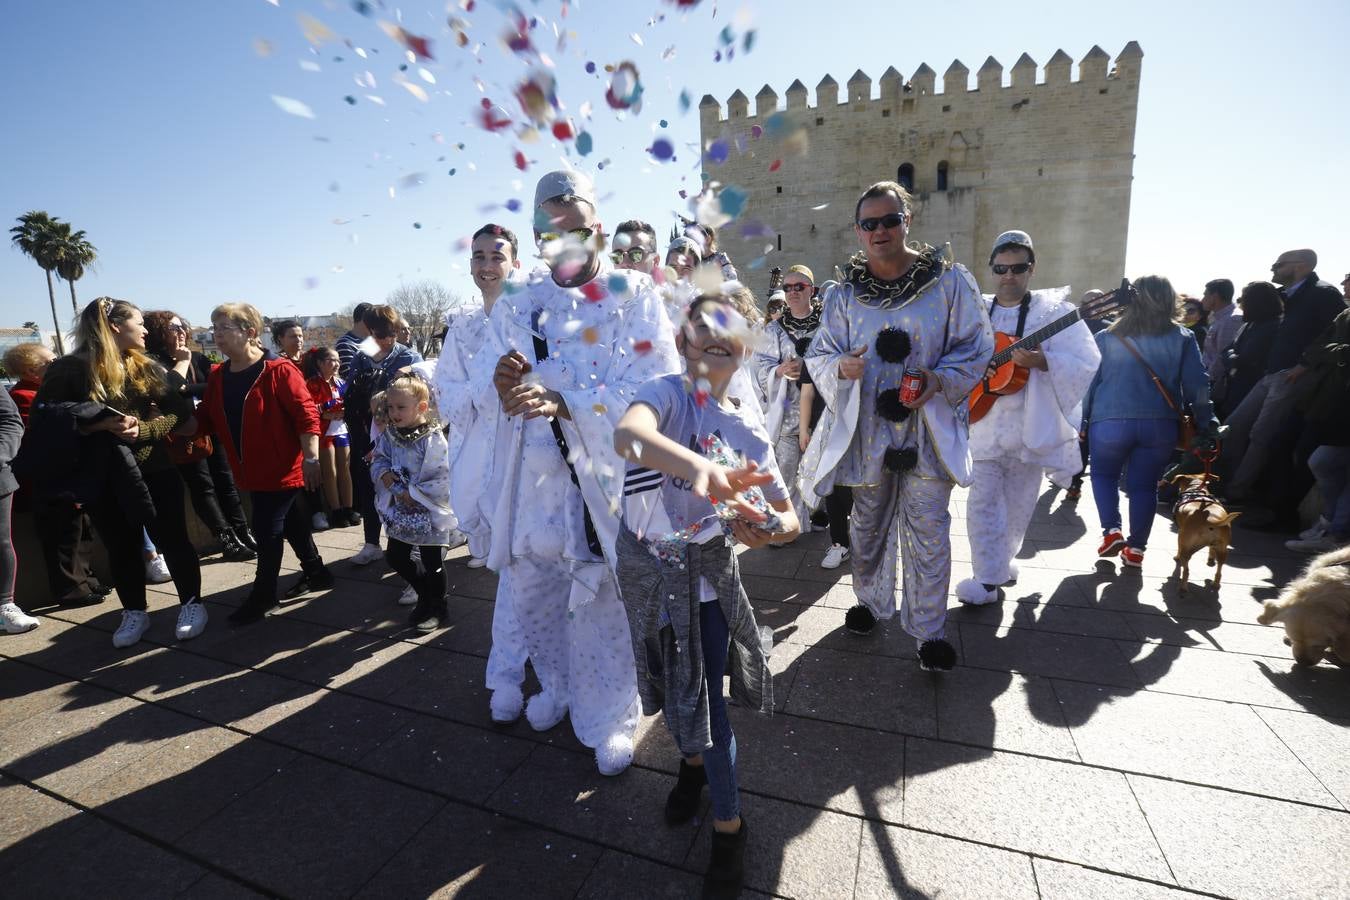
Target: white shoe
543, 711
135, 622
157, 571
367, 555
408, 597
1012, 573
507, 705
319, 522
834, 557
191, 620
1324, 544
1318, 529
972, 593
614, 755
457, 539
477, 562
15, 620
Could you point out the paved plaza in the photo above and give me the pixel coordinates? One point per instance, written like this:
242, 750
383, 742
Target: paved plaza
1102, 737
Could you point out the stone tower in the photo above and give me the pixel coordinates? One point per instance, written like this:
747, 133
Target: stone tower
1054, 159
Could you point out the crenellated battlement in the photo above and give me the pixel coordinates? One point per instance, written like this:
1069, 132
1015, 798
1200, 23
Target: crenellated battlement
898, 96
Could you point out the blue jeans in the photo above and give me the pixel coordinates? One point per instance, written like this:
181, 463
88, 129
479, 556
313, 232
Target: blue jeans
1331, 467
1141, 446
719, 762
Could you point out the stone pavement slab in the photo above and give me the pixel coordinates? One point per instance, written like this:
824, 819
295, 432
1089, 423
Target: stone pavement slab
914, 865
1320, 743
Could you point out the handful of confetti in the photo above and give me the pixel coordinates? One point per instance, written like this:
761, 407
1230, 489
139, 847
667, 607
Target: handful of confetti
715, 449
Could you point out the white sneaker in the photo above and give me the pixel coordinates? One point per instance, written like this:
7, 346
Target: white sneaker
319, 522
135, 622
157, 571
457, 539
367, 555
408, 597
1324, 544
1318, 529
834, 557
15, 620
191, 620
614, 754
477, 562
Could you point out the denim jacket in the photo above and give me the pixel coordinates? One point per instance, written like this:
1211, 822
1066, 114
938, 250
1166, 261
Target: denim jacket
1122, 389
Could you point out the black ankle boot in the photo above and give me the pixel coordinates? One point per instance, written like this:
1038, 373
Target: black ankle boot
684, 797
246, 537
232, 548
726, 864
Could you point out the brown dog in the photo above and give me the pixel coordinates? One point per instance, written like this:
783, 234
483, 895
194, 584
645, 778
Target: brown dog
1315, 610
1201, 522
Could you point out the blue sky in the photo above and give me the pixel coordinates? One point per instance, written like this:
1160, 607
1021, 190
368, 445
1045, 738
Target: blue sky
151, 126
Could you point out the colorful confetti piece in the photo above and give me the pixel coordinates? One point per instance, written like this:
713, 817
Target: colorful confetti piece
293, 107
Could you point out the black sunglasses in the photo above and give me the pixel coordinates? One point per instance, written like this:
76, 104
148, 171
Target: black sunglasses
635, 255
1015, 268
891, 220
799, 286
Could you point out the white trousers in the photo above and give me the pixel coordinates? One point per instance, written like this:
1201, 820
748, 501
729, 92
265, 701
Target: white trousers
578, 644
999, 507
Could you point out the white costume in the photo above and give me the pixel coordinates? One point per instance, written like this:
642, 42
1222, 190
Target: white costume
1024, 435
902, 469
564, 594
778, 345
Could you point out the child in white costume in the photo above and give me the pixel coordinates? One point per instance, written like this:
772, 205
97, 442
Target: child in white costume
583, 338
1025, 434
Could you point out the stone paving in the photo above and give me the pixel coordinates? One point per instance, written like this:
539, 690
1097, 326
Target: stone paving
1103, 737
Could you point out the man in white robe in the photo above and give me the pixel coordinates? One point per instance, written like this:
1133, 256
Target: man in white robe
582, 338
1028, 433
897, 306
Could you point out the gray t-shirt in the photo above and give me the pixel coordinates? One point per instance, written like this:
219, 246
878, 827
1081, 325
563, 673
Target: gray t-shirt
655, 504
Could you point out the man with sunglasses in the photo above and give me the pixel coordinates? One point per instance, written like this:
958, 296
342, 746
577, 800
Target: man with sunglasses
1028, 433
634, 247
900, 308
573, 348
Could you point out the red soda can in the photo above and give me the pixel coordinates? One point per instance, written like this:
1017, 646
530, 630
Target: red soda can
912, 384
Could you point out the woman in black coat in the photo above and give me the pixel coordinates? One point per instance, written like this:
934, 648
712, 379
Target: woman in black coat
209, 481
1262, 307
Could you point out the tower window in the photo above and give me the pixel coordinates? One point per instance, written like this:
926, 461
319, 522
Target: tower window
885, 113
820, 120
779, 189
905, 175
942, 176
780, 243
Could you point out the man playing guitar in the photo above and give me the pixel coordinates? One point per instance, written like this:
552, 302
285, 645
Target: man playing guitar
1025, 431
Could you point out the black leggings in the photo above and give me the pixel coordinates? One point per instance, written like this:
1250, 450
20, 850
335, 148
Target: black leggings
168, 530
211, 486
430, 585
67, 542
277, 518
9, 563
839, 504
363, 490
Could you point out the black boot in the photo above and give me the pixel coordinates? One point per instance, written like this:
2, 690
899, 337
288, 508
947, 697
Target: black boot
246, 538
314, 576
726, 865
684, 797
253, 610
232, 548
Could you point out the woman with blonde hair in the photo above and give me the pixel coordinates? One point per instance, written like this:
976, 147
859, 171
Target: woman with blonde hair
142, 405
257, 405
1150, 373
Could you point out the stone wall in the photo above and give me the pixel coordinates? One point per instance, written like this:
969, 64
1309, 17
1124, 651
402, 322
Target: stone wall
1054, 158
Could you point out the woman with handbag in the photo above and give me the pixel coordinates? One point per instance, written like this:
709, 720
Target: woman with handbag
1149, 398
141, 404
211, 487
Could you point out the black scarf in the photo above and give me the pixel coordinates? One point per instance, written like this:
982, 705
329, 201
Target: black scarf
804, 327
873, 291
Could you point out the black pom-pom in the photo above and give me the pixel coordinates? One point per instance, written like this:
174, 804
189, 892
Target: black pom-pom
900, 461
802, 344
859, 620
892, 345
937, 656
889, 406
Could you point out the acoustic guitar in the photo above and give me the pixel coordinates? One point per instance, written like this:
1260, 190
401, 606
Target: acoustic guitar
1007, 377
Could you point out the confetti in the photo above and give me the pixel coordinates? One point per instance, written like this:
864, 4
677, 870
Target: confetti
425, 75
775, 165
351, 101
590, 68
420, 46
563, 131
415, 89
636, 38
452, 171
415, 179
590, 335
538, 97
756, 132
642, 346
593, 292
625, 88
820, 207
664, 124
718, 152
493, 118
362, 7
263, 47
685, 101
314, 31
310, 66
521, 162
417, 225
663, 149
599, 409
293, 107
513, 205
585, 144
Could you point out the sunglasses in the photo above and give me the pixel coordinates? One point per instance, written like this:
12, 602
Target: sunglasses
635, 255
892, 220
178, 329
1015, 268
794, 288
581, 234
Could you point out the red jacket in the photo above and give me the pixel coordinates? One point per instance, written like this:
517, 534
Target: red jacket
277, 411
23, 393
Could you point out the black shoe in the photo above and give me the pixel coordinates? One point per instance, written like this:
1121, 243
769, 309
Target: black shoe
301, 587
319, 578
252, 611
245, 537
726, 864
102, 590
232, 548
93, 598
937, 656
860, 620
353, 517
682, 802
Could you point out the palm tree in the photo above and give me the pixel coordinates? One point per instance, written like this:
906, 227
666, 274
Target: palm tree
73, 254
31, 237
